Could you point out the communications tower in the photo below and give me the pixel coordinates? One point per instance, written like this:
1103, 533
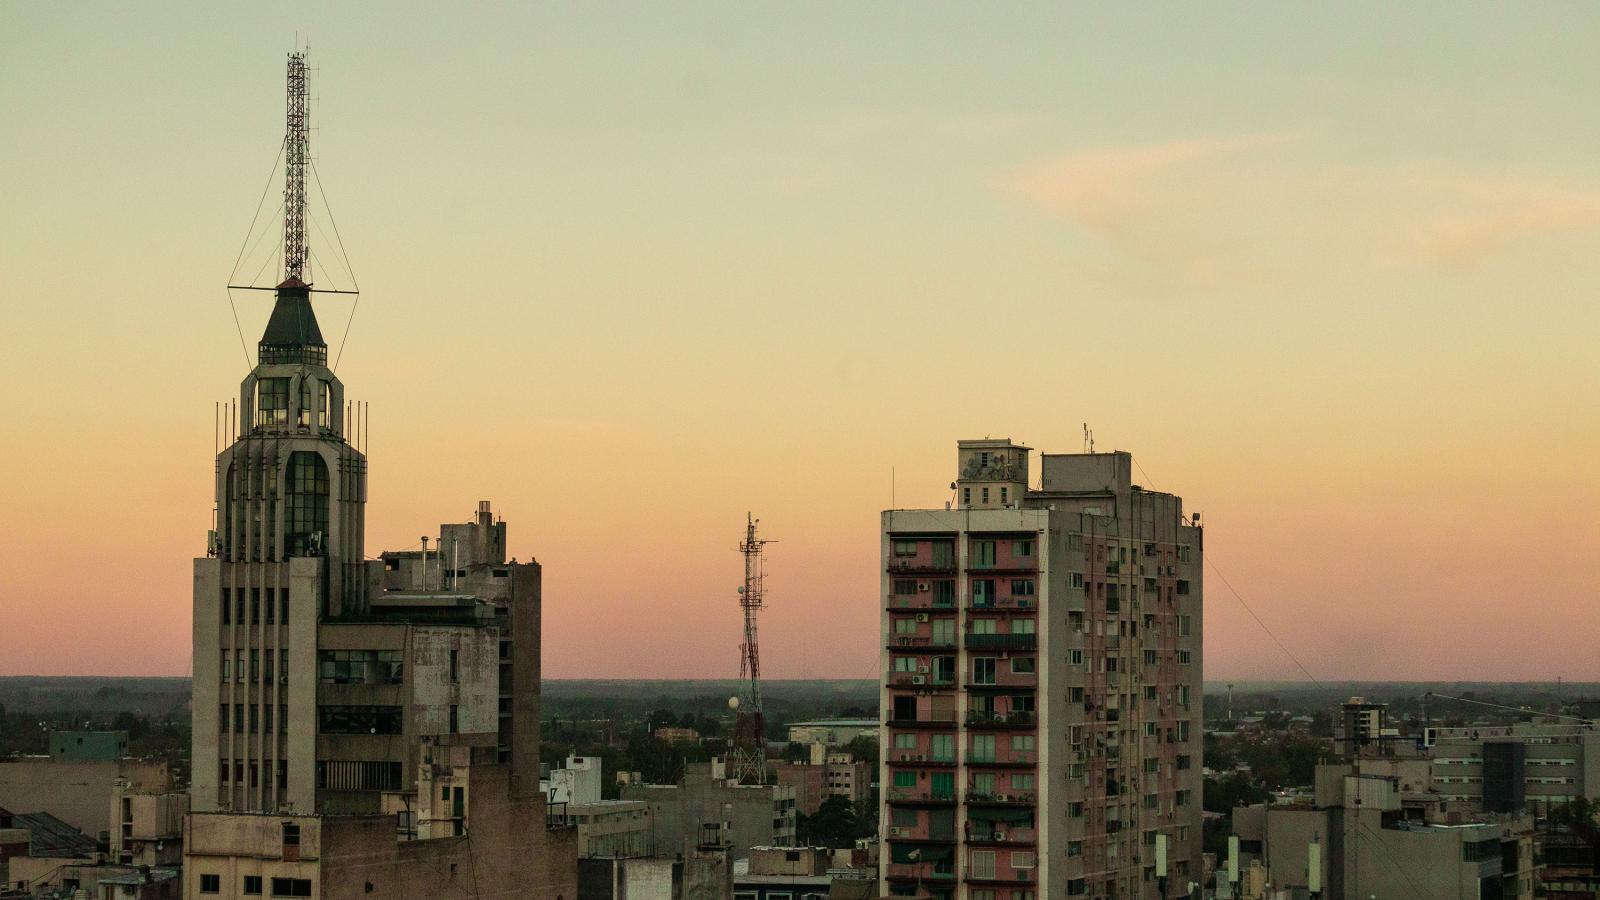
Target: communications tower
749, 749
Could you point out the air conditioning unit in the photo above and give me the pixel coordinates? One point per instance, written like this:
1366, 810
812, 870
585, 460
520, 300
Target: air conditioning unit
918, 679
924, 587
922, 669
999, 835
922, 617
922, 757
896, 831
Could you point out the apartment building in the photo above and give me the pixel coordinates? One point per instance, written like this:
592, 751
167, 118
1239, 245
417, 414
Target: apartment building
1041, 662
708, 802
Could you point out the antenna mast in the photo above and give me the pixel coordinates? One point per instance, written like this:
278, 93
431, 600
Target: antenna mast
749, 748
296, 153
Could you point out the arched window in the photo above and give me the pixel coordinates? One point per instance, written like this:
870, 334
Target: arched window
306, 507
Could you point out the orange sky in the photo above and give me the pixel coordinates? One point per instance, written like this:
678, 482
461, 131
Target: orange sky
631, 277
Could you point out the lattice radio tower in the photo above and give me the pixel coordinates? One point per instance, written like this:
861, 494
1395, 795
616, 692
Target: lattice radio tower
296, 155
749, 750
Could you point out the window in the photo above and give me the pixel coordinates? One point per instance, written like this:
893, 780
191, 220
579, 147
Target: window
1075, 694
1076, 579
1075, 657
210, 884
227, 611
985, 495
1074, 848
966, 496
272, 401
982, 785
227, 666
1022, 665
291, 887
358, 720
1022, 859
982, 748
1022, 587
266, 670
238, 667
1075, 809
905, 548
255, 666
1183, 657
222, 719
253, 717
255, 606
983, 626
1022, 742
306, 509
1022, 548
238, 718
252, 884
904, 818
266, 717
982, 864
272, 608
905, 626
1183, 626
983, 670
983, 551
905, 586
455, 720
455, 666
943, 747
1022, 782
904, 664
1022, 626
905, 779
905, 741
283, 605
1183, 586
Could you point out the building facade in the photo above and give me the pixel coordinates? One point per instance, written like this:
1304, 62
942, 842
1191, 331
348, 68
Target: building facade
709, 807
351, 708
1041, 684
1532, 766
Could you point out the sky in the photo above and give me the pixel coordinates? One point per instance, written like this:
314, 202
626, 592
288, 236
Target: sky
631, 271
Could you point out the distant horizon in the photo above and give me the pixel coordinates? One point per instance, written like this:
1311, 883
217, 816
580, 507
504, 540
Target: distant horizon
1327, 271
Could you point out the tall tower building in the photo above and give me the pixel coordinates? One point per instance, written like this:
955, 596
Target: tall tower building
1041, 684
362, 726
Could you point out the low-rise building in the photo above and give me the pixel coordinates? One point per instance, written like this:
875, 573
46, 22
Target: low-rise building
1358, 839
612, 828
83, 745
578, 781
147, 827
674, 735
747, 815
831, 731
78, 791
1535, 765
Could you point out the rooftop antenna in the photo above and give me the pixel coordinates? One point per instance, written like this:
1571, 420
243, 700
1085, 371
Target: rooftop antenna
1088, 439
749, 750
296, 153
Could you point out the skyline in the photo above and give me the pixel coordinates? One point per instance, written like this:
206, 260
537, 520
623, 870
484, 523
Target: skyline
1333, 299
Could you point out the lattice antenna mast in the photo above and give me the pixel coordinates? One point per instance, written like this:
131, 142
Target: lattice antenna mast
296, 155
749, 732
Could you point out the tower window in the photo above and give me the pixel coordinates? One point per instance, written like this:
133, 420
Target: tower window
306, 510
272, 401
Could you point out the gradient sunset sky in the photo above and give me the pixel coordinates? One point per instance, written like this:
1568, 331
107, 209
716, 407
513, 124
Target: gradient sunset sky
1328, 271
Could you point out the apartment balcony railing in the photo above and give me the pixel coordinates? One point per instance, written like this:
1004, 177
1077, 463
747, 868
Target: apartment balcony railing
1017, 760
922, 566
949, 722
922, 600
917, 641
1018, 799
920, 680
1002, 641
921, 833
908, 758
919, 871
1000, 833
1004, 680
981, 719
921, 795
1004, 604
1002, 876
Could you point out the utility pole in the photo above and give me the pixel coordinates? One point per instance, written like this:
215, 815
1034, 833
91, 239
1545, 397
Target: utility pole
749, 748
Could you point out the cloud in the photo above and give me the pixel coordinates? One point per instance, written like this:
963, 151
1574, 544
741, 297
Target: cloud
1204, 211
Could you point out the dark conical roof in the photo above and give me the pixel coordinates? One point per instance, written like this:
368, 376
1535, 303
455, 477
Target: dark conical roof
292, 334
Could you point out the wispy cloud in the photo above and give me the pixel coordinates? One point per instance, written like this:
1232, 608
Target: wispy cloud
1201, 211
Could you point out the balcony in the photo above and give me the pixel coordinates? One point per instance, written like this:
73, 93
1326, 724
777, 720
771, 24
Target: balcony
978, 718
920, 760
1000, 834
1004, 604
1002, 641
920, 642
910, 724
1017, 760
1002, 876
920, 681
919, 872
1006, 680
923, 600
922, 834
921, 565
922, 795
1019, 799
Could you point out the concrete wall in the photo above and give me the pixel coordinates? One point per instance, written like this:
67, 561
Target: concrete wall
78, 793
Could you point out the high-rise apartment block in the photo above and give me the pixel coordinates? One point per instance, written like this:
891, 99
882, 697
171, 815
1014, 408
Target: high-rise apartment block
1041, 684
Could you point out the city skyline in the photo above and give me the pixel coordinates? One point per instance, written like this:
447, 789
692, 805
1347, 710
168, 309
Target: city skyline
1334, 298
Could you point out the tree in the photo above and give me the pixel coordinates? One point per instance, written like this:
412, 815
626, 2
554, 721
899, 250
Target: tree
864, 748
834, 824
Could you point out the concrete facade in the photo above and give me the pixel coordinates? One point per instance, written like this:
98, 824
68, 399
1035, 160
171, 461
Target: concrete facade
361, 726
77, 791
831, 731
1042, 672
147, 828
82, 745
744, 815
1556, 761
612, 828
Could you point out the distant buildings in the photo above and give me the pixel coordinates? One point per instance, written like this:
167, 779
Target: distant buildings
1532, 766
824, 774
1041, 684
76, 784
1365, 836
578, 781
832, 732
612, 828
672, 734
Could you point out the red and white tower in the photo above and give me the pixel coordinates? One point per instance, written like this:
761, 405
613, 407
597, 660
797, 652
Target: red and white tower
749, 749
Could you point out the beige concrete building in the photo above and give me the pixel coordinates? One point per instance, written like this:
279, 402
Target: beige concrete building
707, 806
1042, 666
147, 827
1360, 839
615, 828
1532, 766
78, 791
350, 709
